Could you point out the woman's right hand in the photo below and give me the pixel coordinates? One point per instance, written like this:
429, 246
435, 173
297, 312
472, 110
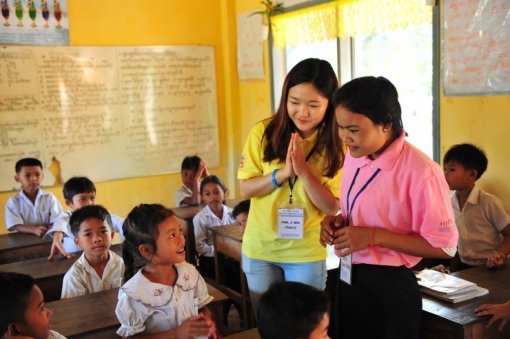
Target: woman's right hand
329, 225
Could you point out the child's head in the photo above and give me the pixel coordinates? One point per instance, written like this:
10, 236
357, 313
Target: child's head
29, 173
240, 213
213, 191
22, 307
91, 227
290, 310
310, 83
463, 165
79, 192
189, 167
153, 235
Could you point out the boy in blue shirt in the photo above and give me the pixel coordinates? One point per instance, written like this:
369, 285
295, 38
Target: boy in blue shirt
78, 192
32, 210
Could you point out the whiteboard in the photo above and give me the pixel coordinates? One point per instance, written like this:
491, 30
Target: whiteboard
106, 112
476, 47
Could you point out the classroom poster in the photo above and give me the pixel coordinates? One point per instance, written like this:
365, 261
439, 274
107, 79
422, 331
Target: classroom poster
34, 22
250, 60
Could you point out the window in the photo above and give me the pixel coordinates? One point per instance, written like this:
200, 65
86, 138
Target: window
403, 55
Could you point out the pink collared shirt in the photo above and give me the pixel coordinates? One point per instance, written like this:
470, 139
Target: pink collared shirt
409, 195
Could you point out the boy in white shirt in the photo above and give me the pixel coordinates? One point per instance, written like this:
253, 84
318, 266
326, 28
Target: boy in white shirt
32, 210
98, 269
193, 170
78, 192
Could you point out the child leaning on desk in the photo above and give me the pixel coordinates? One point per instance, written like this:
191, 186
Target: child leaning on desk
193, 170
32, 210
163, 297
22, 311
98, 269
78, 192
483, 223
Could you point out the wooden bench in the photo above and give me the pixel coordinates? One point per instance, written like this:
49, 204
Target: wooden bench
48, 275
93, 315
22, 246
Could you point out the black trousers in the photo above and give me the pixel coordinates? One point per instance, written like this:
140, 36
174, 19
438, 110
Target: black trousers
383, 302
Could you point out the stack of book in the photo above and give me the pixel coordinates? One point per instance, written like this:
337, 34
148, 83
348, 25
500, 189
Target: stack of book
447, 287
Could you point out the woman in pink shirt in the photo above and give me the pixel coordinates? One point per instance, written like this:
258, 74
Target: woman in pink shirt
395, 210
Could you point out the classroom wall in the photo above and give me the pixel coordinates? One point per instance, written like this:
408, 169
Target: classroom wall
159, 22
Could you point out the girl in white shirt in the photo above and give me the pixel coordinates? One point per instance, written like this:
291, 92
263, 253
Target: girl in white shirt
215, 213
163, 297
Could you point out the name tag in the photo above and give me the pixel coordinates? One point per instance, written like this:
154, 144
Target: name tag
346, 269
290, 223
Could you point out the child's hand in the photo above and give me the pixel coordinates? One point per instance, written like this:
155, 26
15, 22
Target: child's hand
496, 260
39, 230
193, 327
498, 312
202, 171
328, 227
57, 247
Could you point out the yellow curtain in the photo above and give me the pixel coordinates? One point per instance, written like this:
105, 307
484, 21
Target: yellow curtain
347, 18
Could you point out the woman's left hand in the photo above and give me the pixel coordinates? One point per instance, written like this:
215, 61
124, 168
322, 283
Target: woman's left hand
298, 156
351, 239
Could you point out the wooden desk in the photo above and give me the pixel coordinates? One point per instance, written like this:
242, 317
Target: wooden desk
446, 320
227, 242
22, 246
48, 275
249, 334
93, 315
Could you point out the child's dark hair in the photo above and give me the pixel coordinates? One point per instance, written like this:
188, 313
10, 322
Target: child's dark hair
215, 180
290, 310
77, 185
15, 289
374, 97
141, 228
242, 207
27, 162
469, 156
321, 75
88, 212
191, 162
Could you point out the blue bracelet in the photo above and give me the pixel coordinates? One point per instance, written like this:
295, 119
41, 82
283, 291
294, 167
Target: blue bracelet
273, 179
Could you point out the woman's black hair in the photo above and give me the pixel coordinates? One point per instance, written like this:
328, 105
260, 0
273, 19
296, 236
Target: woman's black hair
141, 228
374, 97
321, 75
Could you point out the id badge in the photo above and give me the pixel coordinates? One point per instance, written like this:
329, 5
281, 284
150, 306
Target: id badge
346, 269
290, 222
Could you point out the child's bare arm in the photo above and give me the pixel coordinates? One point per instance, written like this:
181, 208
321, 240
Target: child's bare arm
57, 247
38, 230
498, 258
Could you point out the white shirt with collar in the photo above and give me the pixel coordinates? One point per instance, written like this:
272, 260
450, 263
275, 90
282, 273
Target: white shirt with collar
149, 307
61, 224
182, 193
19, 210
202, 222
83, 279
480, 223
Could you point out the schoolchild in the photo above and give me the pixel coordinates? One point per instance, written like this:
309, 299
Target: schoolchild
78, 192
290, 169
395, 210
193, 170
215, 213
98, 269
290, 310
163, 296
240, 213
31, 210
483, 223
22, 311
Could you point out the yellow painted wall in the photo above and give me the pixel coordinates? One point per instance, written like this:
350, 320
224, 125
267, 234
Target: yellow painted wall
159, 22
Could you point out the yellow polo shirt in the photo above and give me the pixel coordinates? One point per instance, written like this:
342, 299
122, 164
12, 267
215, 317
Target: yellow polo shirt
260, 240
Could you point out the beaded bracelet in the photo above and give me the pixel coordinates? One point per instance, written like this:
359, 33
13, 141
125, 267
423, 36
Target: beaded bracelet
273, 179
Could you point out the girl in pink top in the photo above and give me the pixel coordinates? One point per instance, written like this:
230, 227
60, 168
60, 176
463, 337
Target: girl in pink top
395, 210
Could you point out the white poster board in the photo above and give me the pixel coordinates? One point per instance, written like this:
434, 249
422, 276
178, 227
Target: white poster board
106, 112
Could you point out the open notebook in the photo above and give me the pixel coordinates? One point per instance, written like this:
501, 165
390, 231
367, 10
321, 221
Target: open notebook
447, 287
